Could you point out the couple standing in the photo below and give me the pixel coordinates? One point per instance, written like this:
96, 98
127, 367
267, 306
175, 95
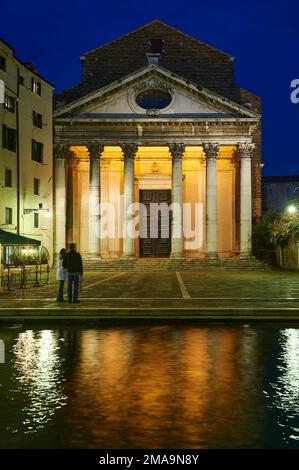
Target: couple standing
70, 266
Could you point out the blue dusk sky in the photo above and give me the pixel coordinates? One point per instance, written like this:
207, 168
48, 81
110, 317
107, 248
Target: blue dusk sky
262, 35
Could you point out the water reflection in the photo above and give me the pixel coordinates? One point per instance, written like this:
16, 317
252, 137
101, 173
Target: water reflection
163, 386
37, 370
152, 386
285, 390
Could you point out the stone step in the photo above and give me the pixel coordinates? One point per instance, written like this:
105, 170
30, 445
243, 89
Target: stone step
174, 265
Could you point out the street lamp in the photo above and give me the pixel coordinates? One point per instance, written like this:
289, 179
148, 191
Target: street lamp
292, 209
40, 208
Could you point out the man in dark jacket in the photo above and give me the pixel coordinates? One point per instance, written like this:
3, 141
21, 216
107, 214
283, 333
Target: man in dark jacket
73, 264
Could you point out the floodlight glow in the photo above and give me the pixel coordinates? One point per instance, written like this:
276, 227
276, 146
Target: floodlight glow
292, 209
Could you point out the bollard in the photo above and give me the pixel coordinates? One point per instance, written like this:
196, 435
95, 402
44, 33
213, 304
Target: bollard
2, 352
36, 276
8, 278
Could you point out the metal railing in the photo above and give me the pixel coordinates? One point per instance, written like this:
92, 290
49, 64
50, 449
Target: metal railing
24, 275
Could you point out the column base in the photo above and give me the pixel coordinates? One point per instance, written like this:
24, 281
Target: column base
128, 257
179, 256
105, 256
212, 256
246, 255
93, 256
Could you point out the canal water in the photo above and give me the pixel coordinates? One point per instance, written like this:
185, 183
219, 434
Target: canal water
152, 386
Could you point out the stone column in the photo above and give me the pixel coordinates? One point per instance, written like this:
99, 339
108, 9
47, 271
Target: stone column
104, 242
177, 237
244, 151
70, 200
76, 196
211, 152
129, 151
61, 152
94, 151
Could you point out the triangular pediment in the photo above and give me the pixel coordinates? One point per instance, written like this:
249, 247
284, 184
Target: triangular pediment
121, 99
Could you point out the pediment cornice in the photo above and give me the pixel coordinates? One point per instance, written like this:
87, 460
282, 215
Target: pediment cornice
154, 76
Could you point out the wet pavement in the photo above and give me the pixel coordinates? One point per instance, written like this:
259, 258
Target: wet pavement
168, 291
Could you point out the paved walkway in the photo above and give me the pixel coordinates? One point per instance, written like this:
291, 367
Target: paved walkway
236, 295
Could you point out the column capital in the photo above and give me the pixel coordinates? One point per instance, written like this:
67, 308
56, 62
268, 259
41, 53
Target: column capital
62, 151
211, 150
244, 149
95, 150
105, 163
74, 163
129, 150
177, 149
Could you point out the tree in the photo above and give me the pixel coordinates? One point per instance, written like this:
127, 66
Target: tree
262, 237
284, 226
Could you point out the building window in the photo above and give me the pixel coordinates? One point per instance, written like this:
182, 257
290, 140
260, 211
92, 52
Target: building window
153, 99
36, 219
2, 63
36, 86
36, 185
21, 80
153, 59
37, 151
156, 46
37, 119
9, 138
8, 215
9, 103
8, 178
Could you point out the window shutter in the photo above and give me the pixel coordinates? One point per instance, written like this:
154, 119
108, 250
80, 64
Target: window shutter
156, 46
33, 149
4, 136
41, 152
14, 138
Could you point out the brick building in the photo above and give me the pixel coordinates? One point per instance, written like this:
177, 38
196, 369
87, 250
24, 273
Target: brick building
157, 117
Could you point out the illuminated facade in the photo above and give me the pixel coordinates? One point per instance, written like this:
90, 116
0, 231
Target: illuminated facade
26, 149
157, 118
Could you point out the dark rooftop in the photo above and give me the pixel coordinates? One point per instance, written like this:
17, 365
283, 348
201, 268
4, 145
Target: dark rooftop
280, 179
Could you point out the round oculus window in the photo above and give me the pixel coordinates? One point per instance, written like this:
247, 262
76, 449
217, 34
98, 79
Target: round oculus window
153, 99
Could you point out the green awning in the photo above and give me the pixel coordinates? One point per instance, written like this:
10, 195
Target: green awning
7, 238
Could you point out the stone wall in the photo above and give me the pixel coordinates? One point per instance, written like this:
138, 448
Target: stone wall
288, 256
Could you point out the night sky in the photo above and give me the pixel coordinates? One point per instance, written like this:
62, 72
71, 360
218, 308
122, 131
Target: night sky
261, 35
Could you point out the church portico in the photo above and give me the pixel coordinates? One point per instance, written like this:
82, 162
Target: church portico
108, 179
161, 168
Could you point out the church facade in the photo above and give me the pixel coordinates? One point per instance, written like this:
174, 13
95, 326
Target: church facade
157, 122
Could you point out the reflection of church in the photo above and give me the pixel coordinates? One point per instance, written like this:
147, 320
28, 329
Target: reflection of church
157, 118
